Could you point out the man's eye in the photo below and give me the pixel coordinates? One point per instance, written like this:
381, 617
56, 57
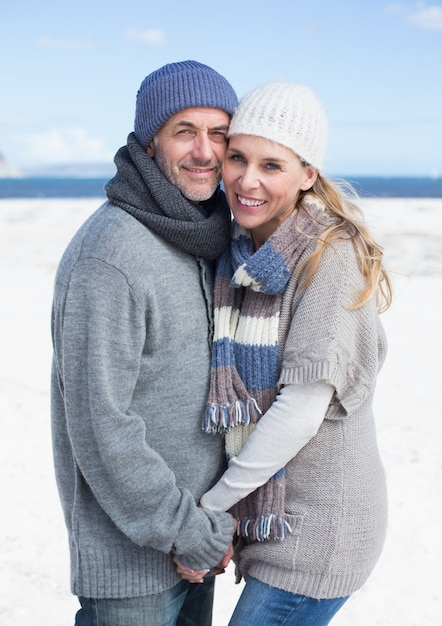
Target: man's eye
218, 136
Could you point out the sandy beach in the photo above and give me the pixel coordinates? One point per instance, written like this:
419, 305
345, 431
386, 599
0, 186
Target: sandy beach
404, 589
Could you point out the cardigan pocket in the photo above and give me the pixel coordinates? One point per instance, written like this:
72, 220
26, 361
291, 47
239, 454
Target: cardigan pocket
285, 551
280, 553
294, 522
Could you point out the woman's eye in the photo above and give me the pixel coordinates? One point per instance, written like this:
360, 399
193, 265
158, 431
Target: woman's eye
236, 158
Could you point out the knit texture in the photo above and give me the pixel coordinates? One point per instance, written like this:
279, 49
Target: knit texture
249, 287
131, 333
175, 87
142, 190
335, 498
287, 113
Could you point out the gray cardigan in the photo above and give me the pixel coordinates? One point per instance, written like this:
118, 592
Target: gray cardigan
336, 501
130, 327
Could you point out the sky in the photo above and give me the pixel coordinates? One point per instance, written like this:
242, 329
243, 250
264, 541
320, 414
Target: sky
69, 73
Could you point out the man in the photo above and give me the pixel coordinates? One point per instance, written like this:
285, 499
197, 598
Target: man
131, 328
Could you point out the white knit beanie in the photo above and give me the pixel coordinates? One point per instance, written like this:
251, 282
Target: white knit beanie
287, 113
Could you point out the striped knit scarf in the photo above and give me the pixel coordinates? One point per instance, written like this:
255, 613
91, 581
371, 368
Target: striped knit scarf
249, 287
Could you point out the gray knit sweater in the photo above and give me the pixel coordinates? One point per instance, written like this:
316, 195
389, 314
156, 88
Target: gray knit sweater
130, 375
336, 493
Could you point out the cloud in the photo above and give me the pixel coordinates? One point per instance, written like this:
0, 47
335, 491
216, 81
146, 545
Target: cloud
422, 16
63, 44
150, 37
427, 17
64, 145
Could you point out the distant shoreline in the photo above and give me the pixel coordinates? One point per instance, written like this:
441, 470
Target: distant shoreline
72, 187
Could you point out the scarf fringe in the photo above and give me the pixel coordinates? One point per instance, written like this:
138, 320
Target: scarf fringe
221, 418
264, 528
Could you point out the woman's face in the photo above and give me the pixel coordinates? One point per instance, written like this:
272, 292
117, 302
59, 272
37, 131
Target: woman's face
262, 180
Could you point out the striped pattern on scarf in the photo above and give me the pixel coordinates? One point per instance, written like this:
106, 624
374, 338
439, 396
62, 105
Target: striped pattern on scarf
249, 287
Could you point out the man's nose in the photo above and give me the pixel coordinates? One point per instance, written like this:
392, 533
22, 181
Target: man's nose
202, 147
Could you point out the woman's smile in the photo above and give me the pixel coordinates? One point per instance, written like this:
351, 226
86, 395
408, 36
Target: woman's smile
263, 180
249, 203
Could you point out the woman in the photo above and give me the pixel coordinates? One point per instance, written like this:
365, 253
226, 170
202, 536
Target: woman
298, 346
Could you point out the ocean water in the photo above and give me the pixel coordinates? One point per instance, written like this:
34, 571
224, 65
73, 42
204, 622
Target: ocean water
369, 187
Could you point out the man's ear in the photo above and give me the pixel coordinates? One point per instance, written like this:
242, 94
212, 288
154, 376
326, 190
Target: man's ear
150, 149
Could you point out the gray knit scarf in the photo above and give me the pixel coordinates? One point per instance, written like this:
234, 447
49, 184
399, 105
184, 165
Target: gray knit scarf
249, 287
139, 187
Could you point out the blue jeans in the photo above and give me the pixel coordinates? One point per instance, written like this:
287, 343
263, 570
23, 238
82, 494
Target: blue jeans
184, 605
262, 605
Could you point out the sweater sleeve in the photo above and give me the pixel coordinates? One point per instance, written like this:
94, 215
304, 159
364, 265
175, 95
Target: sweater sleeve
289, 424
330, 340
102, 333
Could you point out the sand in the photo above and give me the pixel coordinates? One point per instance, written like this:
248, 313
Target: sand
404, 589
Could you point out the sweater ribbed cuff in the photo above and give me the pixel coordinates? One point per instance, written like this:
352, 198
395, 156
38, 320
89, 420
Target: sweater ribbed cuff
203, 551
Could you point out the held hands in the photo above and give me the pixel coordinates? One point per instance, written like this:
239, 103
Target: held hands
197, 575
186, 573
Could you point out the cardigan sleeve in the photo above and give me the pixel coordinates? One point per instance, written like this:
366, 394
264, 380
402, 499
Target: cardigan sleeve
330, 341
289, 424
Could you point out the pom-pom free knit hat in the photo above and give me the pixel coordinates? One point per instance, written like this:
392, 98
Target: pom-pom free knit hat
175, 87
287, 113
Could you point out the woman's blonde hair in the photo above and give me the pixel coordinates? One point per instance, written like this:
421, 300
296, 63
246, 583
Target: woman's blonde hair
339, 198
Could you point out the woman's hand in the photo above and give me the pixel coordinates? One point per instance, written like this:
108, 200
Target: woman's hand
192, 575
220, 567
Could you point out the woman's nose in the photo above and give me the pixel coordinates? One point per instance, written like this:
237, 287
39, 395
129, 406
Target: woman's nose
249, 178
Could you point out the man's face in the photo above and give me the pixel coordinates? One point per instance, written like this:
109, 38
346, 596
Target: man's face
189, 150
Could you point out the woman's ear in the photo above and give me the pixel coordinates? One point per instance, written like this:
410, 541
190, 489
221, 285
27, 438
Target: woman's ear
311, 174
150, 149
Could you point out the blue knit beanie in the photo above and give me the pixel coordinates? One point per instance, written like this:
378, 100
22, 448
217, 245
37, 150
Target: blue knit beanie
175, 87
